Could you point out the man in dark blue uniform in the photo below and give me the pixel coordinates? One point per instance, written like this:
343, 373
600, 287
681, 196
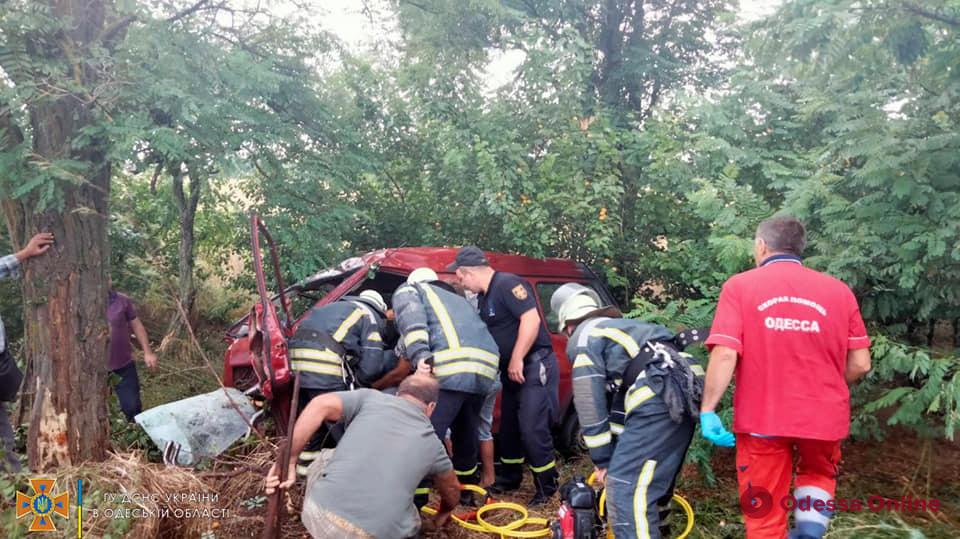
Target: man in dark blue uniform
528, 369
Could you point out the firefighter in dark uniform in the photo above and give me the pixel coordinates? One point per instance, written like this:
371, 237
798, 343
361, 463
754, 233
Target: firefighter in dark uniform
337, 347
528, 370
639, 445
441, 333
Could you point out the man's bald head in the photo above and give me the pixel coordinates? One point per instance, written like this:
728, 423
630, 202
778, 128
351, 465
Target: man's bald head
424, 388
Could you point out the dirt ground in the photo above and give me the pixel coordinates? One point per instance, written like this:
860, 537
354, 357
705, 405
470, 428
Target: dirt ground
903, 465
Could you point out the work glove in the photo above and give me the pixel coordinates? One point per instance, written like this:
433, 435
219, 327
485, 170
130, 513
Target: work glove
712, 429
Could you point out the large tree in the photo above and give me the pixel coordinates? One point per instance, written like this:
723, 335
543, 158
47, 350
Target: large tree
56, 179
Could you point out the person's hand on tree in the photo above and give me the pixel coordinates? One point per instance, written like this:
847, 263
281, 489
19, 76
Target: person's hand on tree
37, 245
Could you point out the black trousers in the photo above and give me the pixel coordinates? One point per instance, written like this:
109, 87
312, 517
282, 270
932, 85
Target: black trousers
527, 412
460, 413
128, 390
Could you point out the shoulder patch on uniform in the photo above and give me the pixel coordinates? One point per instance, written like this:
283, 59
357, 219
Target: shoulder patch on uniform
519, 292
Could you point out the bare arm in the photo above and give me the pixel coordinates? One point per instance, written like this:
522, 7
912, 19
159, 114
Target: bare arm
395, 376
447, 485
327, 407
141, 333
526, 335
723, 361
858, 364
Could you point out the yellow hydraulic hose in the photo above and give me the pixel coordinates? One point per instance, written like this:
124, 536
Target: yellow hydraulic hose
681, 501
506, 530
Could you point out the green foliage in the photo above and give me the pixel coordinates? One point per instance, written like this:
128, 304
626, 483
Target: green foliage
925, 395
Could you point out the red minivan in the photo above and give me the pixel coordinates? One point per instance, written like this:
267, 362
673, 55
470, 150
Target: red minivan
384, 271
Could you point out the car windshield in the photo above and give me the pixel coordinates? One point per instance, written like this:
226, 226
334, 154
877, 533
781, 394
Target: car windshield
306, 292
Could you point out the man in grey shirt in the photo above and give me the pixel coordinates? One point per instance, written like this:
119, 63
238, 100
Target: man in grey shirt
388, 447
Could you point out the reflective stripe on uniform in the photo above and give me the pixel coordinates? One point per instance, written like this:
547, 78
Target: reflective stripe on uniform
598, 440
302, 470
511, 461
341, 332
309, 455
449, 331
545, 467
471, 471
582, 360
618, 337
616, 428
318, 368
459, 367
421, 491
415, 336
636, 397
375, 337
325, 356
640, 499
697, 370
467, 353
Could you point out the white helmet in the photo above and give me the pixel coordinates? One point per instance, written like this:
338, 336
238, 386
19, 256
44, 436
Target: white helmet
575, 307
569, 290
422, 275
374, 299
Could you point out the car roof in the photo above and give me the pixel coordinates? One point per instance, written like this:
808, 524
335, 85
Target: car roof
407, 259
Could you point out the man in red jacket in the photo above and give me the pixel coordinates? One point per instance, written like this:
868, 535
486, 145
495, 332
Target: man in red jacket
795, 339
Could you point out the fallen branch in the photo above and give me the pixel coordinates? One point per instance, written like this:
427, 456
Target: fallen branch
196, 343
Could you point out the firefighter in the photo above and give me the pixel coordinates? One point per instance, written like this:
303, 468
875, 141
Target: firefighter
336, 347
528, 365
440, 332
639, 446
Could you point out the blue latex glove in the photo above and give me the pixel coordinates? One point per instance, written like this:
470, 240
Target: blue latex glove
712, 429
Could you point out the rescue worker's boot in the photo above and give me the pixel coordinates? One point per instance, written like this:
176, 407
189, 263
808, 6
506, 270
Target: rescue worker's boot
545, 483
468, 478
508, 479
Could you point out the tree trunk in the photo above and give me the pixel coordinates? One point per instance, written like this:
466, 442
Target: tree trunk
64, 290
187, 206
956, 334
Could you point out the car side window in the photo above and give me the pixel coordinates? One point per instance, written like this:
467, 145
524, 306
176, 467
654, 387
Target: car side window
544, 292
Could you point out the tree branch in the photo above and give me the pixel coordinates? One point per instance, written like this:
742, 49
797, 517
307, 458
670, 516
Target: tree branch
178, 196
952, 20
188, 11
116, 28
153, 180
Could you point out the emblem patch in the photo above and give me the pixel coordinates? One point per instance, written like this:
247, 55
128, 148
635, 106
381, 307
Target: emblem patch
519, 292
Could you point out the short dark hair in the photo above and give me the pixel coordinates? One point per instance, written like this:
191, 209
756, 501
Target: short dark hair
783, 234
425, 389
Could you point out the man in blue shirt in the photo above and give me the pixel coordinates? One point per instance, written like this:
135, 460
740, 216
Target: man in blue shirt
10, 375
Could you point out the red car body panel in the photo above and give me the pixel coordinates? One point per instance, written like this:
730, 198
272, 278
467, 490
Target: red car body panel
402, 261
